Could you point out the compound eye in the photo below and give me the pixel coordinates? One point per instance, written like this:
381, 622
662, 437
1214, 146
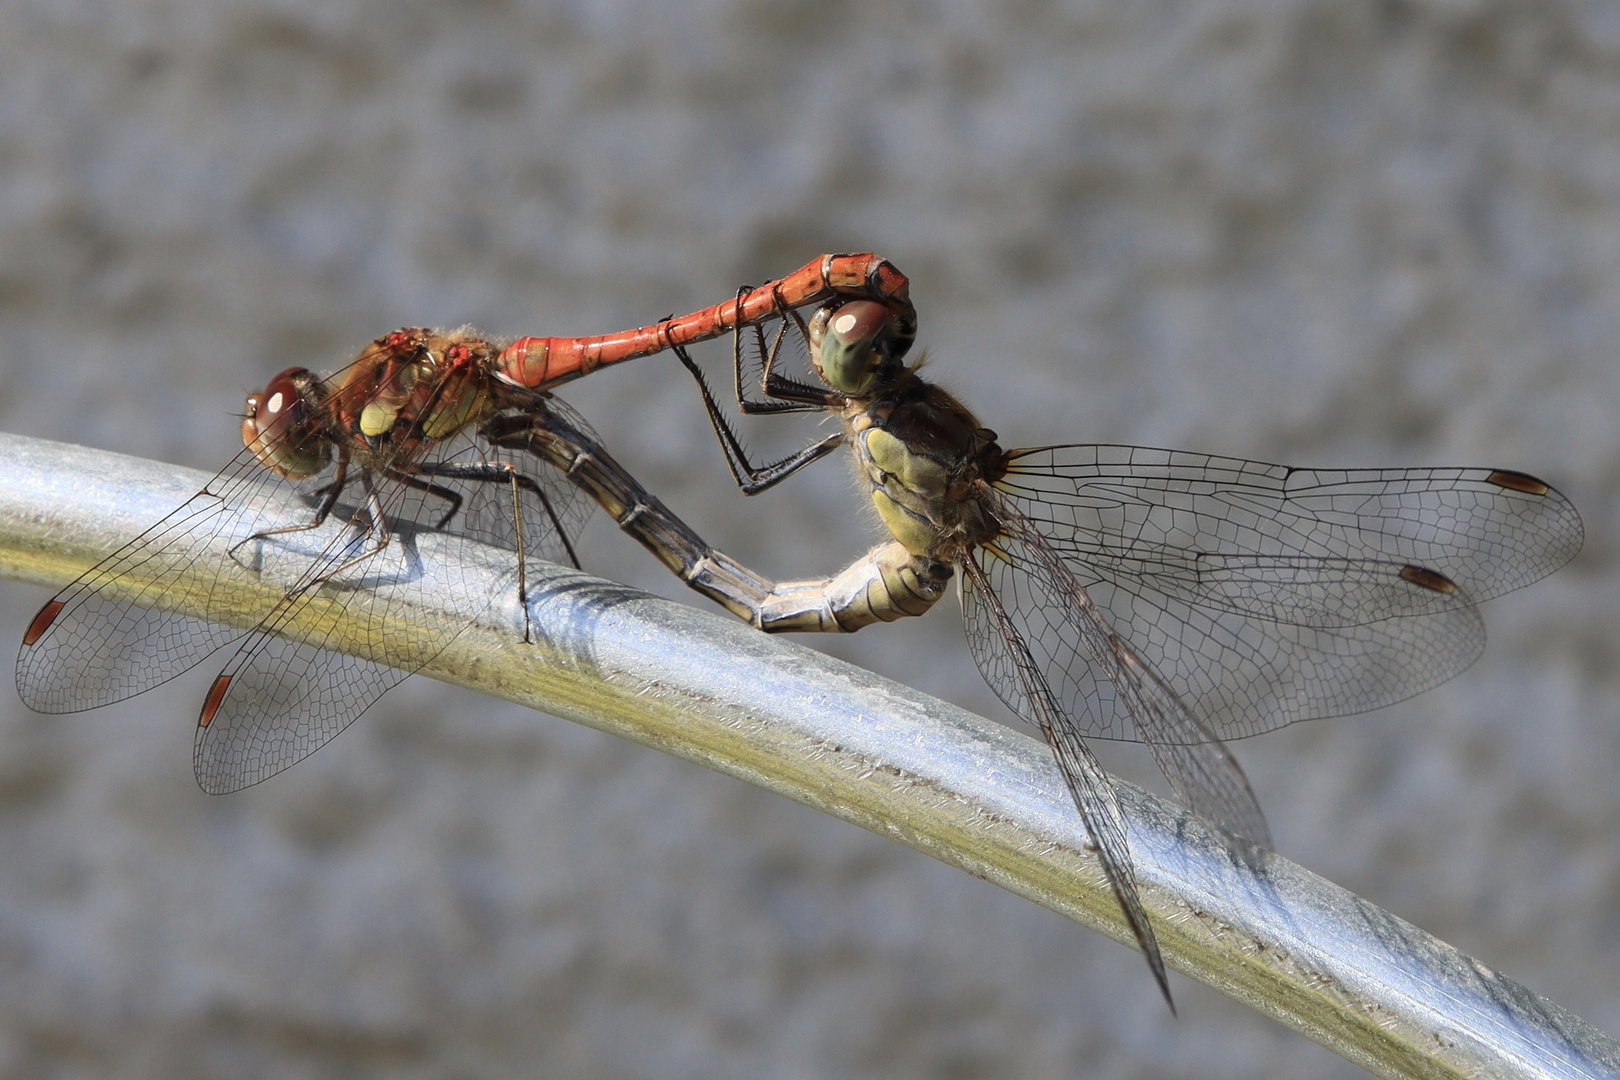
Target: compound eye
846, 357
276, 427
280, 400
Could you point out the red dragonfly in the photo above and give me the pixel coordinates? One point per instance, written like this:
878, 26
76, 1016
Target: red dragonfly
1111, 592
427, 432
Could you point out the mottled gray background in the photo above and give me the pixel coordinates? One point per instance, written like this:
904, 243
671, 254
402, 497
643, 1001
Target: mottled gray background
1335, 232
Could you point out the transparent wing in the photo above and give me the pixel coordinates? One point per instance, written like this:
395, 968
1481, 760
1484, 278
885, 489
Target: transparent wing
1089, 669
1000, 647
100, 640
1266, 594
279, 700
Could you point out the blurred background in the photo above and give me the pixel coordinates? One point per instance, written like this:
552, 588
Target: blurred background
1326, 232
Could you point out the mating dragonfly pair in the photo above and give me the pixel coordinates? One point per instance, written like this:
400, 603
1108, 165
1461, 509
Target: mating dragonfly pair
1112, 592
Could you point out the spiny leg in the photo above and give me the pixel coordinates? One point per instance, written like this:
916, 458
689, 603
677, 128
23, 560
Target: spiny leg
750, 478
502, 473
410, 479
782, 393
375, 526
328, 493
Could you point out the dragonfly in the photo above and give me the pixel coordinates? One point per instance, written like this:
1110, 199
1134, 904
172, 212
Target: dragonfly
441, 435
1122, 592
1110, 592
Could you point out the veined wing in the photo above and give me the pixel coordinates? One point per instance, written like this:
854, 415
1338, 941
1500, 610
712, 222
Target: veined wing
1266, 594
1090, 668
999, 646
101, 639
279, 700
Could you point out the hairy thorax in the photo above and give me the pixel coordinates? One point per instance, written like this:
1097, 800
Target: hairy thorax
923, 453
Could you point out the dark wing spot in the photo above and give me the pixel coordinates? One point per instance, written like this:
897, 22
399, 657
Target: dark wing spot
42, 622
1428, 579
216, 697
1517, 481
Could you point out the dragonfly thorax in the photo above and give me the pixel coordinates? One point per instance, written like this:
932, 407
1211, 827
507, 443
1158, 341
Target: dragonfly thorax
414, 385
921, 452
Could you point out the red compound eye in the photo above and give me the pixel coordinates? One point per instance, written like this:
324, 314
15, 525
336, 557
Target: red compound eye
276, 427
281, 398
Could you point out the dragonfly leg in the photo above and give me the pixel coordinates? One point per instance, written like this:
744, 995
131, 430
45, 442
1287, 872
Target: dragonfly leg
328, 493
491, 472
782, 394
887, 583
376, 524
497, 472
750, 478
411, 480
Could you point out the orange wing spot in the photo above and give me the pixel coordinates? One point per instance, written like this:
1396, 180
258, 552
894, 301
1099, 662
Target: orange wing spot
1517, 481
1428, 579
216, 697
42, 622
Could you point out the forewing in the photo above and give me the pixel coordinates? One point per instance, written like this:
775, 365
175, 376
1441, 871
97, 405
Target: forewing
1267, 595
106, 641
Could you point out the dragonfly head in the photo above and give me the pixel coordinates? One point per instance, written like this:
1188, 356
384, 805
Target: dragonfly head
850, 345
280, 425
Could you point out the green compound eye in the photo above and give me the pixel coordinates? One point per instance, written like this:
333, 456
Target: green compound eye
846, 357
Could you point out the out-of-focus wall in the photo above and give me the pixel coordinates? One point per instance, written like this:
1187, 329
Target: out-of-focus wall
1335, 232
